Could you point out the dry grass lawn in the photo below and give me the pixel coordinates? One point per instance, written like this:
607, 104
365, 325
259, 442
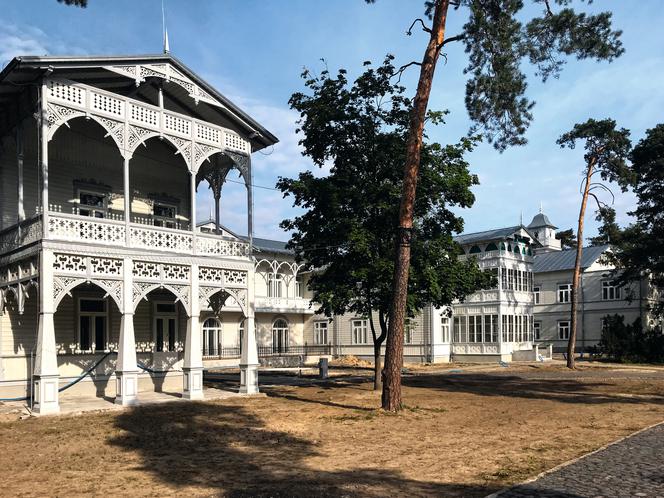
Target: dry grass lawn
465, 434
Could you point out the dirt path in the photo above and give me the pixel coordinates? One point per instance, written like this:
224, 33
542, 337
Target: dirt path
461, 434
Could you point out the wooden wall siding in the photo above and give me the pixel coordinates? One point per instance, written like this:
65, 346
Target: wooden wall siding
9, 175
82, 153
18, 333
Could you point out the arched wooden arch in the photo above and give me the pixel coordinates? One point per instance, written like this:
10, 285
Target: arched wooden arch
141, 292
113, 290
239, 296
59, 116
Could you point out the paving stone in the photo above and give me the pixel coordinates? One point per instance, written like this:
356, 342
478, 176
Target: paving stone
632, 467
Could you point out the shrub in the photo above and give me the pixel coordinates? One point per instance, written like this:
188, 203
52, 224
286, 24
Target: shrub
625, 342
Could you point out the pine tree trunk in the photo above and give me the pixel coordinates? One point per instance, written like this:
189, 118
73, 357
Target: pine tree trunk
577, 268
391, 398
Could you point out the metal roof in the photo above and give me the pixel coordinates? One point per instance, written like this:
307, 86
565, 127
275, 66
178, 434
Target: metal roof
24, 69
564, 260
541, 220
488, 235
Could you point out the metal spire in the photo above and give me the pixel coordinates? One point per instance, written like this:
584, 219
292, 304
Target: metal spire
167, 48
540, 207
521, 219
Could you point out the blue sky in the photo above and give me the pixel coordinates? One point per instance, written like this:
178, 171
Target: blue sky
253, 51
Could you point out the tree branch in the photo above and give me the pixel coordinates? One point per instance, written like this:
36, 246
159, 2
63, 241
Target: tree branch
403, 68
424, 27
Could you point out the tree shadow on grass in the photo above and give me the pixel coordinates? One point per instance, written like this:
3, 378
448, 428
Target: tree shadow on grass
227, 451
555, 389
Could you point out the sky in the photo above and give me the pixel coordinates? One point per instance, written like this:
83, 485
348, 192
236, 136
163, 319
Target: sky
254, 51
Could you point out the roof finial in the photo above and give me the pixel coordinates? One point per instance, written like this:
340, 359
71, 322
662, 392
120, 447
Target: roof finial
540, 206
167, 48
521, 218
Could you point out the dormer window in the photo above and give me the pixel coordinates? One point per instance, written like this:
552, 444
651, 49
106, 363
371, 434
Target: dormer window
93, 204
164, 215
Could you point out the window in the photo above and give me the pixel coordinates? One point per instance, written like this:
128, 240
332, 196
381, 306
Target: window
211, 337
359, 331
563, 330
505, 330
274, 285
164, 215
280, 336
510, 328
503, 278
537, 330
564, 293
240, 331
460, 331
444, 329
475, 328
298, 287
320, 332
536, 293
165, 327
490, 328
519, 280
91, 204
510, 279
92, 322
610, 292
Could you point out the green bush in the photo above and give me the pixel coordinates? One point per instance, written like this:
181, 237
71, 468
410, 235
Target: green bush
631, 343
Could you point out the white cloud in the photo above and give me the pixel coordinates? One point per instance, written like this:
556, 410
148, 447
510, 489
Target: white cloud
22, 39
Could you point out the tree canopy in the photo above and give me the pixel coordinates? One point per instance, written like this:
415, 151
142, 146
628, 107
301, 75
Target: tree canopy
639, 252
501, 38
349, 227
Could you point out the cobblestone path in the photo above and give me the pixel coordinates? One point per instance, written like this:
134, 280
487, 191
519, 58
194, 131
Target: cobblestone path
633, 467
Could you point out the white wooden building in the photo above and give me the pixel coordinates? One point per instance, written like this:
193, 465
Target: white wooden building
101, 256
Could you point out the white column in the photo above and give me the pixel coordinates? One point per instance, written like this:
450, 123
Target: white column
19, 164
192, 366
127, 200
249, 359
46, 359
192, 217
44, 161
126, 369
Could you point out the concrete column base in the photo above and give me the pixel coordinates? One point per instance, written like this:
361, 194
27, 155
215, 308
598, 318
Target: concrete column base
126, 388
249, 379
46, 394
193, 383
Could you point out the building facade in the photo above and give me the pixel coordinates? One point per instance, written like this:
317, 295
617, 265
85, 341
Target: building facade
103, 267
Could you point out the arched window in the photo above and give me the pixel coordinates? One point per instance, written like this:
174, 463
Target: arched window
240, 332
491, 247
211, 337
502, 246
280, 336
475, 250
516, 248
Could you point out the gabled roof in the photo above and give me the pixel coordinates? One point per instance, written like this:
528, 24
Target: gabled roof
564, 260
492, 235
23, 69
541, 220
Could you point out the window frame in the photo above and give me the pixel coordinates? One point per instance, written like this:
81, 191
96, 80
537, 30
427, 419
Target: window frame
608, 288
217, 330
165, 315
537, 290
318, 325
164, 221
93, 314
275, 285
445, 328
278, 348
537, 330
88, 207
563, 325
361, 326
564, 290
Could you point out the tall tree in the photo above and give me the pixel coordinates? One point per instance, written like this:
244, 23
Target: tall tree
348, 229
567, 238
496, 41
607, 149
639, 253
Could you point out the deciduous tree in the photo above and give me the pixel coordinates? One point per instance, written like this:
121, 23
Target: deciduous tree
607, 149
348, 229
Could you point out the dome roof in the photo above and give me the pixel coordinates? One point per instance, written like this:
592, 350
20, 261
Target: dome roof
541, 220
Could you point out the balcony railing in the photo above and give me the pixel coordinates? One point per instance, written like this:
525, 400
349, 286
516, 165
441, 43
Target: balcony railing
101, 231
298, 303
20, 235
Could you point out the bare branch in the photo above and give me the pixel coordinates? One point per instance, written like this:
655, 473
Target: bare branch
424, 27
604, 187
403, 68
548, 7
600, 204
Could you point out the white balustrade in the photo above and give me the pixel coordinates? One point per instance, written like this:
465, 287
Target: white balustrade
81, 97
111, 232
20, 235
